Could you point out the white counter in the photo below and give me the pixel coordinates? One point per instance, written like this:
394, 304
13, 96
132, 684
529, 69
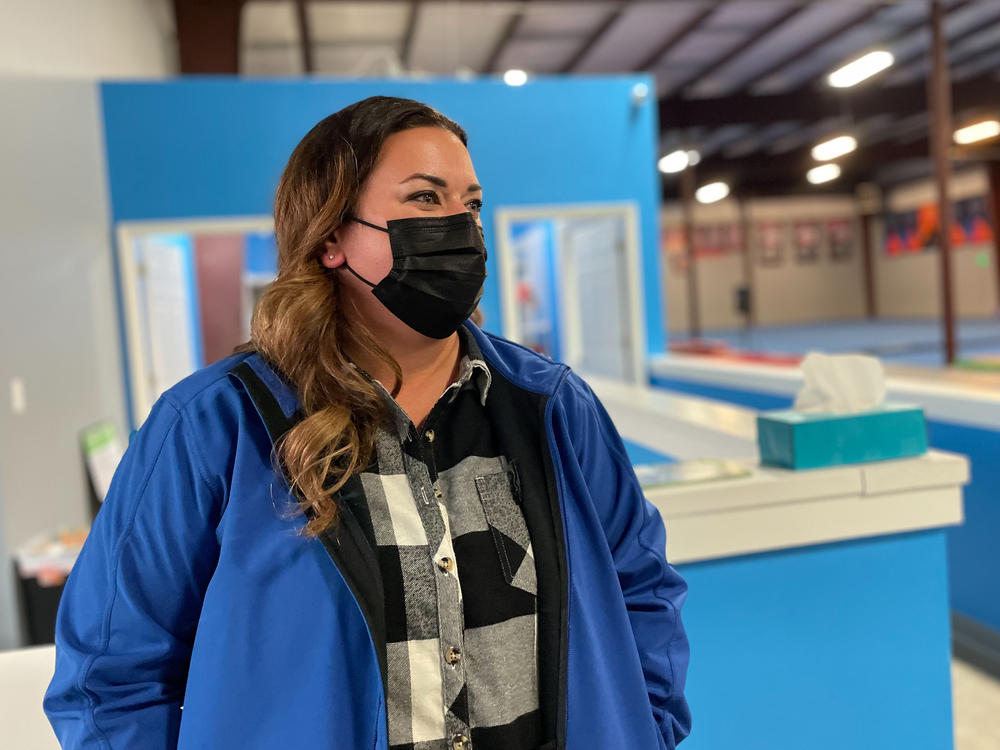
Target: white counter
946, 399
24, 677
774, 508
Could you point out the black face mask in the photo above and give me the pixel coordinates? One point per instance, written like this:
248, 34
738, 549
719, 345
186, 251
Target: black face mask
437, 275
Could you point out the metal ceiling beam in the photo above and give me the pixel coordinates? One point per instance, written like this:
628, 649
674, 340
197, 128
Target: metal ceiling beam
406, 47
794, 164
920, 55
811, 46
811, 105
742, 47
789, 184
208, 35
305, 37
787, 172
675, 38
913, 28
505, 36
971, 55
595, 36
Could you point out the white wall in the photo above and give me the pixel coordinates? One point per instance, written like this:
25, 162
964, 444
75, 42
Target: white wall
57, 296
783, 294
57, 301
87, 38
905, 287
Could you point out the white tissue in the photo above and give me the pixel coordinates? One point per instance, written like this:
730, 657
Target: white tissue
841, 384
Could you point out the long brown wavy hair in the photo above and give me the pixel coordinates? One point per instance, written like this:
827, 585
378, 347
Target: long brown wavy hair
303, 325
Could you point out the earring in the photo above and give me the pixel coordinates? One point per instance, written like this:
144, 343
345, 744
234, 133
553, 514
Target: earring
330, 257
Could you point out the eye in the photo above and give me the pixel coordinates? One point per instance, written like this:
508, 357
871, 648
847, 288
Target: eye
475, 205
427, 196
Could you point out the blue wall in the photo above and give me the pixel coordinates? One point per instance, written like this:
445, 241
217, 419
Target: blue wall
215, 147
821, 648
973, 554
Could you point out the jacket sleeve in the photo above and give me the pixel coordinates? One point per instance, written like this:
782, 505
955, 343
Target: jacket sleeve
654, 592
129, 610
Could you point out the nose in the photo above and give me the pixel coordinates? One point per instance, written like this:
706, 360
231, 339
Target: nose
455, 205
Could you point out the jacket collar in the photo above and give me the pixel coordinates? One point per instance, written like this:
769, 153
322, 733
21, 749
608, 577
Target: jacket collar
473, 365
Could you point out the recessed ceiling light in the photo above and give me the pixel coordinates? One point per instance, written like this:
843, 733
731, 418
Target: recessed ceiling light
978, 131
823, 173
833, 148
712, 192
858, 70
515, 77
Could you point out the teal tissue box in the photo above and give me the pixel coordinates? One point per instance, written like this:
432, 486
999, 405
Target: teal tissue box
794, 440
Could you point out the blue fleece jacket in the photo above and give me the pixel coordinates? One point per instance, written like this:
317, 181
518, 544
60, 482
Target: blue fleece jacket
198, 617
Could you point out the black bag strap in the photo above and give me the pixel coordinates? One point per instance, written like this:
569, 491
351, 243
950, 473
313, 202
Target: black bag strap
346, 544
275, 421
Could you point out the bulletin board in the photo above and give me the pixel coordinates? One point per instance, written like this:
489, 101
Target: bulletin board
187, 288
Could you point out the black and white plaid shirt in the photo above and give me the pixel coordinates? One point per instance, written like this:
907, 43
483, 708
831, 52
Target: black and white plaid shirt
441, 510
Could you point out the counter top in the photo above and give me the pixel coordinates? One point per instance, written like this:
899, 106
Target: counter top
949, 398
774, 508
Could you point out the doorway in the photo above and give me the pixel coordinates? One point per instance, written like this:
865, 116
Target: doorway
570, 286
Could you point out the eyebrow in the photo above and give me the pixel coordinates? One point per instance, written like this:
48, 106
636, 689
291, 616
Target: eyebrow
435, 180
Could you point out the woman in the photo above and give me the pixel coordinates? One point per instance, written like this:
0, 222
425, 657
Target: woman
375, 526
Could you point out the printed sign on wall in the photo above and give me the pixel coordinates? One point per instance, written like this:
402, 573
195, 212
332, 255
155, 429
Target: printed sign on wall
770, 243
807, 241
840, 237
916, 231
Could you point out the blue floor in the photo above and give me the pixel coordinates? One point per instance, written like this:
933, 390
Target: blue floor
640, 454
909, 342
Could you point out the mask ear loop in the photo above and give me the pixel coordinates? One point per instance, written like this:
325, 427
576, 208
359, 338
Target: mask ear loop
367, 224
347, 265
360, 278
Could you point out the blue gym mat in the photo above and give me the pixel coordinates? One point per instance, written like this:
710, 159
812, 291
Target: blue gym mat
914, 342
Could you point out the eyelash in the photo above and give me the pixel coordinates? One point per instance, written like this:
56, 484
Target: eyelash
478, 203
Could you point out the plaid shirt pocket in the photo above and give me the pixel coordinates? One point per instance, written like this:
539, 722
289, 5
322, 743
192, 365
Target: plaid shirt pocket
509, 531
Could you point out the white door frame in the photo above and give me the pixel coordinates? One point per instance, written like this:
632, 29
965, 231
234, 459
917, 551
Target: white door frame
569, 325
126, 232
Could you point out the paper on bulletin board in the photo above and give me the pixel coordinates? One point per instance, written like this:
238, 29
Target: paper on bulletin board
103, 451
171, 304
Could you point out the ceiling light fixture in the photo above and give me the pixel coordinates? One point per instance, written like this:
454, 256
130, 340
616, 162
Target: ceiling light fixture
712, 192
978, 131
823, 173
834, 148
678, 161
861, 69
515, 77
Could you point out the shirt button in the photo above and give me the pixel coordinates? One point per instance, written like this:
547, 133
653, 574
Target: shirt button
429, 435
438, 493
446, 564
452, 656
461, 742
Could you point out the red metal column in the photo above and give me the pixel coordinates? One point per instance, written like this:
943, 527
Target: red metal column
687, 207
940, 137
748, 278
208, 35
871, 307
993, 170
